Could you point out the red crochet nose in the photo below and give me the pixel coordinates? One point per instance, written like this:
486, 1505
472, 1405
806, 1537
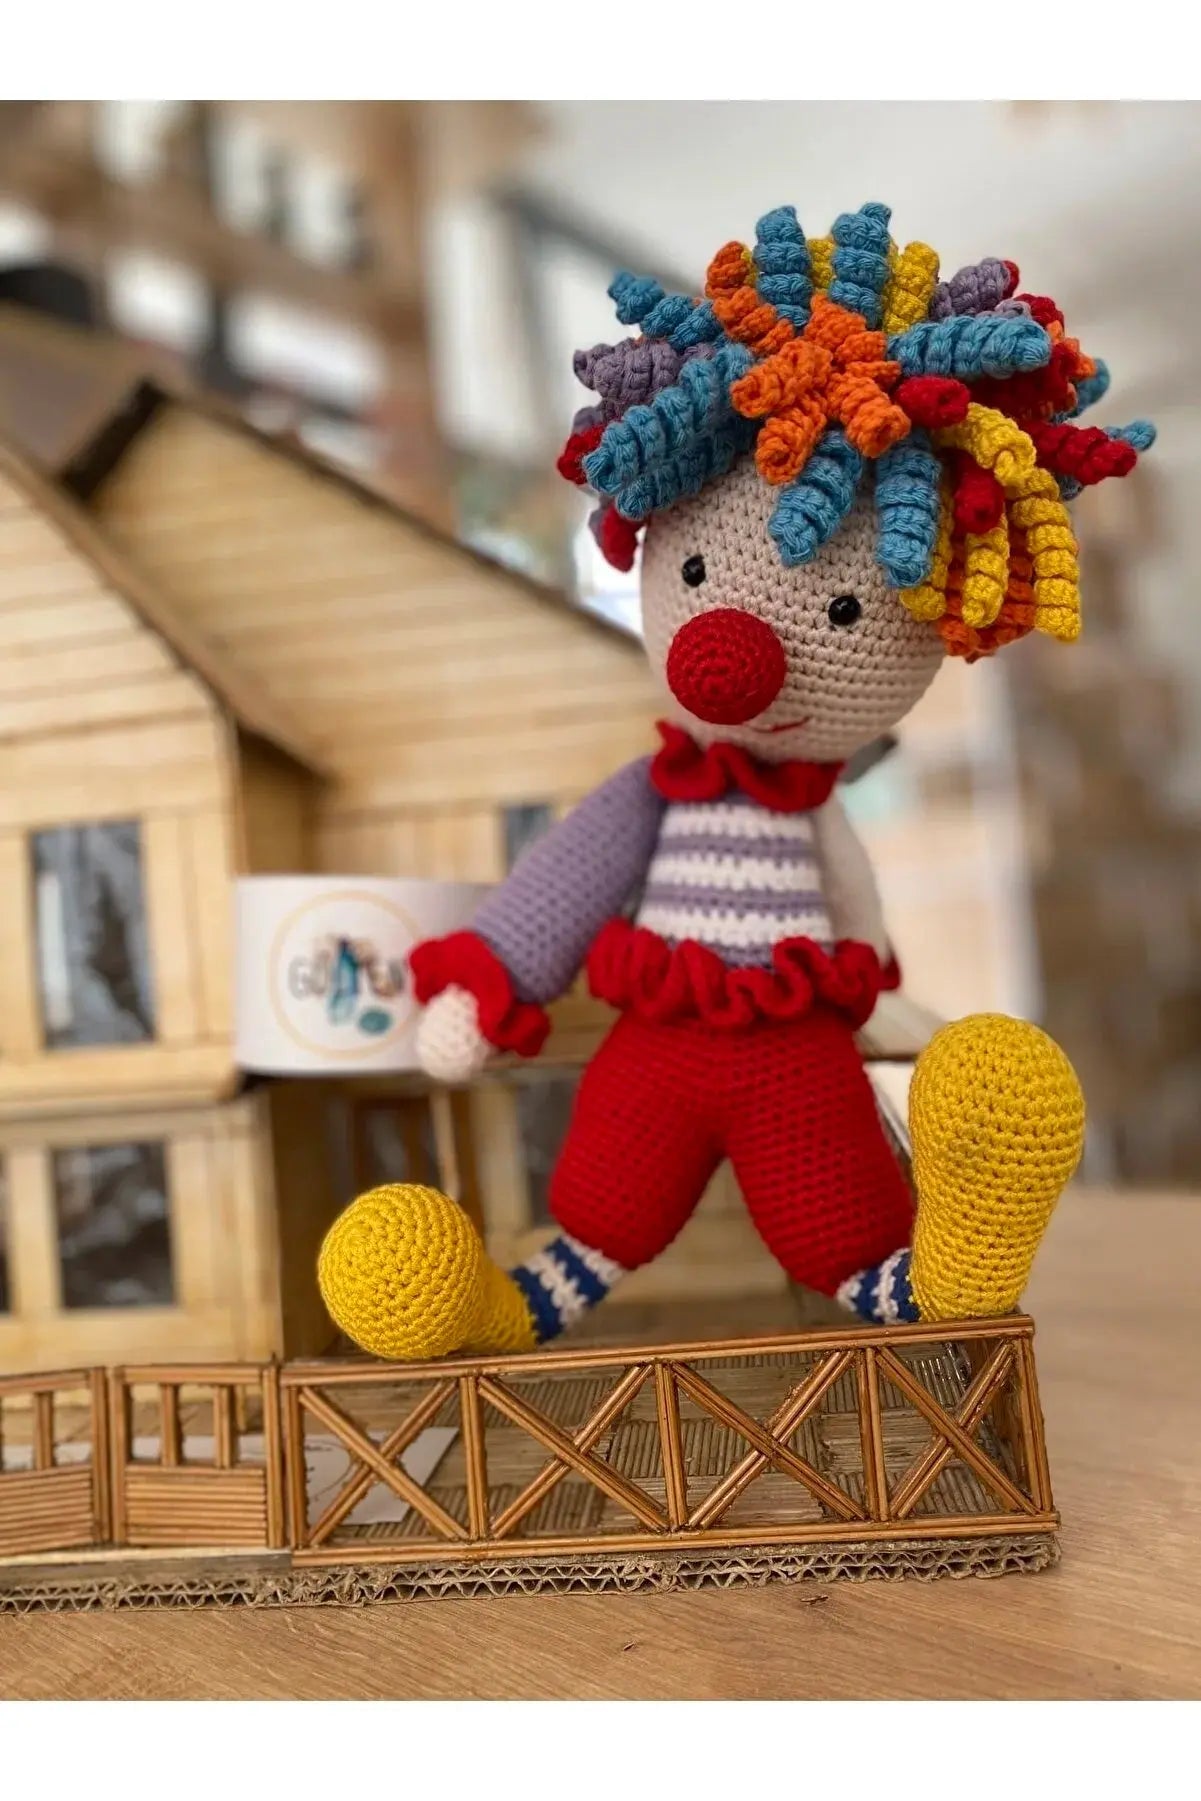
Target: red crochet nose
726, 666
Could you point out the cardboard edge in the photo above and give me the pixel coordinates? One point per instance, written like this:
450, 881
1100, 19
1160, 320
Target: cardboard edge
274, 1582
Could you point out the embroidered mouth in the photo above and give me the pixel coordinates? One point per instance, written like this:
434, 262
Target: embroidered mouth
787, 725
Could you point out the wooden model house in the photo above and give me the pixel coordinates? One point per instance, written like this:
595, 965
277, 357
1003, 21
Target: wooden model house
223, 656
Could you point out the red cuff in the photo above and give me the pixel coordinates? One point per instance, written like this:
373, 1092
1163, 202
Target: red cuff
890, 974
465, 960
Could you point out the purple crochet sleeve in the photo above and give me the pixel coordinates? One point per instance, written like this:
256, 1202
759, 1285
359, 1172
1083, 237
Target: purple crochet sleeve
542, 919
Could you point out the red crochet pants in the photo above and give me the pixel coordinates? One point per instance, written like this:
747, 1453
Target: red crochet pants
788, 1102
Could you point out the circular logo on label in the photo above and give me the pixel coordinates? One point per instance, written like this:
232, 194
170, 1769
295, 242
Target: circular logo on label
339, 975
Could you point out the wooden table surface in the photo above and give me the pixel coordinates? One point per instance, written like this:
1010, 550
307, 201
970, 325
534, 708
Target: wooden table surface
1116, 1303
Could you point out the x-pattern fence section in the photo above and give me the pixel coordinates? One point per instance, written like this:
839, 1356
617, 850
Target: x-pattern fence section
905, 1431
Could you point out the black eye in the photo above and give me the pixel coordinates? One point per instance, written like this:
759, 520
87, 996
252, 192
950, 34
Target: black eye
693, 571
844, 609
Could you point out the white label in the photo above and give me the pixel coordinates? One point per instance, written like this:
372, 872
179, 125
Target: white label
323, 977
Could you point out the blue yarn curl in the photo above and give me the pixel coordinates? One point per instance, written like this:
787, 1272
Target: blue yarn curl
907, 510
634, 296
860, 261
667, 315
811, 508
679, 318
1088, 391
684, 322
692, 468
971, 344
1140, 433
783, 265
658, 439
702, 326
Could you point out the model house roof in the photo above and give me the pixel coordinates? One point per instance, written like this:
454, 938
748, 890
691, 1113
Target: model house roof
256, 711
93, 460
76, 401
59, 385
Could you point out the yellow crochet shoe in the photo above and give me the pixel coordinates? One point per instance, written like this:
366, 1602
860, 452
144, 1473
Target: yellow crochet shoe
404, 1273
996, 1119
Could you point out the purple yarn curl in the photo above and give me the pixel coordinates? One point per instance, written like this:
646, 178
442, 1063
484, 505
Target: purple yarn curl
980, 288
629, 374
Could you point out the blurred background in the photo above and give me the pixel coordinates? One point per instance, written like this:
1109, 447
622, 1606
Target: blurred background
401, 285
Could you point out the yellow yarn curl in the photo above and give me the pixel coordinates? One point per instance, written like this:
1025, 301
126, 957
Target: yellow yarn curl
994, 441
909, 287
1038, 509
985, 573
821, 262
929, 599
404, 1274
996, 1118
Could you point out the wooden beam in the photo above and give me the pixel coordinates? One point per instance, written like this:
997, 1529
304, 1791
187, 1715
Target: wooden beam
171, 217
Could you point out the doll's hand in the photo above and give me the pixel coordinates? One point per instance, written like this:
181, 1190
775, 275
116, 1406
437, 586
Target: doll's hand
450, 1045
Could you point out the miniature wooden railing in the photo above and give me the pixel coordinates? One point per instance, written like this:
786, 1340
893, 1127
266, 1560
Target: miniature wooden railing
497, 1489
52, 1506
167, 1502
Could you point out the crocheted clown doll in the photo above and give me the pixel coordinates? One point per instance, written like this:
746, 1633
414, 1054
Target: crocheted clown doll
841, 470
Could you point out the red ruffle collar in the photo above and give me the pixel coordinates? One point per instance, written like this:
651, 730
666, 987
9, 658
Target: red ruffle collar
682, 770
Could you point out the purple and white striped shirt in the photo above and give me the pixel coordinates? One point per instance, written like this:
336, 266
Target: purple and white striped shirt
736, 877
730, 874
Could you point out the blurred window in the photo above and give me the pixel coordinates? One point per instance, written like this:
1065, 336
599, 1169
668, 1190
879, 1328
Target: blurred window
114, 1237
158, 299
522, 824
544, 1106
93, 959
395, 1142
612, 593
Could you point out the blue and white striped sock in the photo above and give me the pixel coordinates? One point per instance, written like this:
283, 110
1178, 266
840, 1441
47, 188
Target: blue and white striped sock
562, 1281
882, 1293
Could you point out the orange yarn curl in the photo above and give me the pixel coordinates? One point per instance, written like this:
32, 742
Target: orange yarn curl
834, 372
742, 314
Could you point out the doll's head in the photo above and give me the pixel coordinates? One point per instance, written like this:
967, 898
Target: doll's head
846, 470
809, 661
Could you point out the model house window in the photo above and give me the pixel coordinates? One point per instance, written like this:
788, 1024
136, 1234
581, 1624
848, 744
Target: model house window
394, 1142
114, 1239
543, 1110
93, 961
5, 1301
522, 825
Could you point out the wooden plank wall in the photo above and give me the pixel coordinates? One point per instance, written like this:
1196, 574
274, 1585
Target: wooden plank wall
438, 689
99, 720
74, 653
275, 805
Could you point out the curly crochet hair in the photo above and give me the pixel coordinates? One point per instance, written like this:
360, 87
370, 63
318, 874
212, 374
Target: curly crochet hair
844, 359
